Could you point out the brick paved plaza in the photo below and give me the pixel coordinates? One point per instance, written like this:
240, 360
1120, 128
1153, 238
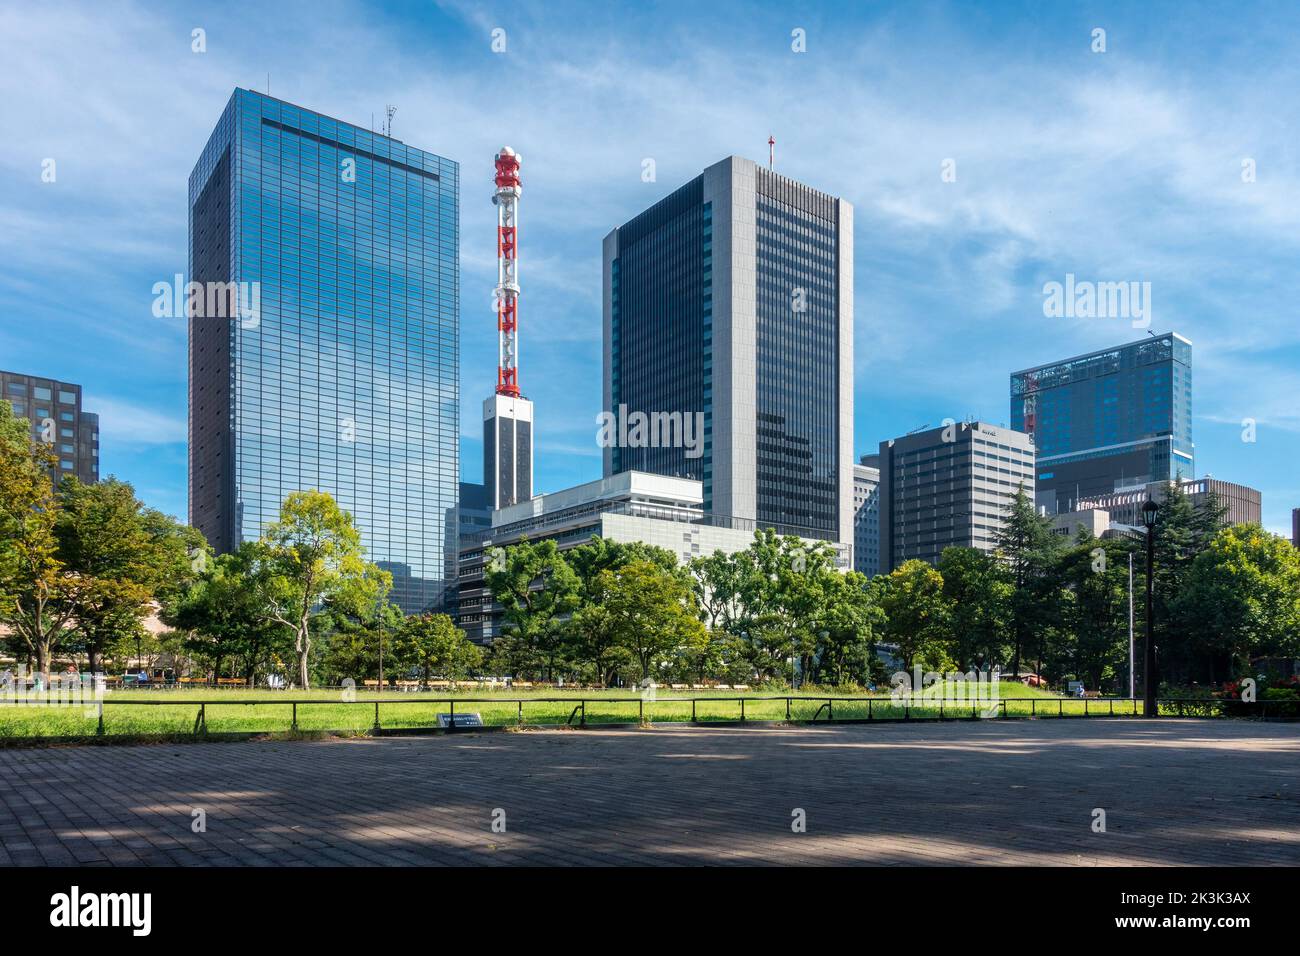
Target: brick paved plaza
1175, 792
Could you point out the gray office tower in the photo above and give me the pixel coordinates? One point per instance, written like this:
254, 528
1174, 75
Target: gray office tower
866, 515
1108, 420
57, 419
949, 486
339, 369
728, 333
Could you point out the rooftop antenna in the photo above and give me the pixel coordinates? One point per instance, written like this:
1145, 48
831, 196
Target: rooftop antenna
268, 84
388, 125
921, 429
771, 151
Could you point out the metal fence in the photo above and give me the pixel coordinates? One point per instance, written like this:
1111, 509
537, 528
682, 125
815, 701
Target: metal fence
878, 709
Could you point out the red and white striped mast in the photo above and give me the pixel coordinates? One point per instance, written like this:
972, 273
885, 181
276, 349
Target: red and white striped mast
506, 199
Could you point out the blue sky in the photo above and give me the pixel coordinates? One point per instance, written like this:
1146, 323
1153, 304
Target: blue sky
1117, 166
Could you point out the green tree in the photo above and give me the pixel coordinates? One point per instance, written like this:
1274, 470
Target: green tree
122, 556
314, 555
652, 613
916, 614
847, 626
1030, 549
37, 596
717, 580
1243, 592
432, 645
1183, 530
978, 589
224, 613
784, 586
537, 591
1093, 639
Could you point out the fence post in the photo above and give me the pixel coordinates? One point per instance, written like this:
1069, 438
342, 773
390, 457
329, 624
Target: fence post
376, 717
692, 710
295, 716
640, 710
99, 731
830, 709
1033, 707
583, 721
787, 708
742, 710
520, 720
451, 724
1060, 707
869, 716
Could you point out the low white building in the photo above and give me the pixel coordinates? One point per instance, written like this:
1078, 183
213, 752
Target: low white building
626, 507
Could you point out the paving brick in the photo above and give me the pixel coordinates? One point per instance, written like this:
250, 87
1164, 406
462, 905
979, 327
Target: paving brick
1023, 792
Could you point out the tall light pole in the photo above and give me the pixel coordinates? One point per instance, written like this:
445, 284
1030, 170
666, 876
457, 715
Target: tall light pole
1149, 683
1132, 658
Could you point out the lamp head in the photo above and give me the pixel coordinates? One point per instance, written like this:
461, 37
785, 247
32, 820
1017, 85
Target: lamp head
1149, 514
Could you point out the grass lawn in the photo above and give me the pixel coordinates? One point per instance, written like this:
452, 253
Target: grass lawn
150, 712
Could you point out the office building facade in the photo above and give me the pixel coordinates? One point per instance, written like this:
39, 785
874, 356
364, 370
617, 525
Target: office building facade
1109, 419
729, 305
507, 449
58, 420
340, 369
1242, 504
866, 516
949, 487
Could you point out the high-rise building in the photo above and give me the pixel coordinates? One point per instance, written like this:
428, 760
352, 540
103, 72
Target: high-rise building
866, 516
54, 410
1109, 419
728, 325
340, 370
949, 486
1295, 527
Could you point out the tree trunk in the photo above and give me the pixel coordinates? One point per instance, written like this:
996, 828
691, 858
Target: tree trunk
43, 659
92, 655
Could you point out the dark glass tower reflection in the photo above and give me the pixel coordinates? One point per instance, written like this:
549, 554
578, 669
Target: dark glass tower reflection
1110, 419
340, 371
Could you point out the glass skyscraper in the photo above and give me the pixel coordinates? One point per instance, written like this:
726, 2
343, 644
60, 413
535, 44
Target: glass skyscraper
1109, 419
340, 369
732, 298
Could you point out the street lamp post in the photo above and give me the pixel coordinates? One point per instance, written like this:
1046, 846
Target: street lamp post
1149, 682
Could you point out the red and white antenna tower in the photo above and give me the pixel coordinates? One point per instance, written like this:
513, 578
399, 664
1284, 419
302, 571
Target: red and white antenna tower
506, 199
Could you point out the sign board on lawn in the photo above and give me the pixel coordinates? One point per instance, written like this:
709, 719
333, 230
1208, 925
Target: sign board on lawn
462, 720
